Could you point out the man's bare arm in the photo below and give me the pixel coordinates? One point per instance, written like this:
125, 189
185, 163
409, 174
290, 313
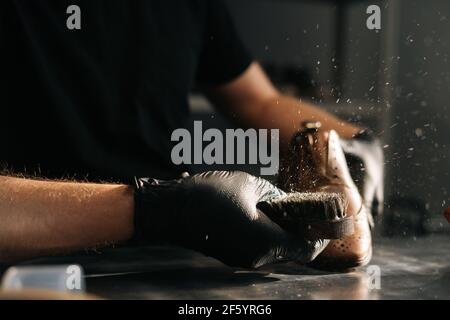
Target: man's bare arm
48, 217
253, 101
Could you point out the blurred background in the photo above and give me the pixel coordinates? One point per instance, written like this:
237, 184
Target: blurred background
395, 80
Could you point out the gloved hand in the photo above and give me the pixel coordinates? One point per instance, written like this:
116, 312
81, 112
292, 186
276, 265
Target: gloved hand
365, 160
216, 213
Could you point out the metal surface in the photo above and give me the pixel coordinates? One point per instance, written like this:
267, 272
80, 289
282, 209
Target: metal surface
410, 269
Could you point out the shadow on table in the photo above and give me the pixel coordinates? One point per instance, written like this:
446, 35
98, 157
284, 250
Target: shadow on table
132, 272
174, 273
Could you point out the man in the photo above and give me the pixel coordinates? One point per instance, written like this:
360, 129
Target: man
100, 104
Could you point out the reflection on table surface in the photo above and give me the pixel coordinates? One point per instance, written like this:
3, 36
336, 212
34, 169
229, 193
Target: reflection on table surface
411, 268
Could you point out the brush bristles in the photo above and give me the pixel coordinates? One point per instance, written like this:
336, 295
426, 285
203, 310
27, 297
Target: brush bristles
308, 206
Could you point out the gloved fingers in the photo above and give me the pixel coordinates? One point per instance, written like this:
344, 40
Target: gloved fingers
297, 250
185, 174
140, 182
291, 243
220, 174
264, 190
304, 252
273, 244
236, 180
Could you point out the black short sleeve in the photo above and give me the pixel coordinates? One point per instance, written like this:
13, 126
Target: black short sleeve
224, 56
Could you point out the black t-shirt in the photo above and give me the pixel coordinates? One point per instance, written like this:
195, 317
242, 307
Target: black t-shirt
102, 102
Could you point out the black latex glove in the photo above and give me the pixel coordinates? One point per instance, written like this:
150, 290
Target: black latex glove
365, 159
216, 213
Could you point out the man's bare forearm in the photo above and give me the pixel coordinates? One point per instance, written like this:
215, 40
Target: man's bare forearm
252, 101
51, 217
287, 114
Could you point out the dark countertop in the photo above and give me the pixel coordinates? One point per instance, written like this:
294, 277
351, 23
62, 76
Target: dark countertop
410, 269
